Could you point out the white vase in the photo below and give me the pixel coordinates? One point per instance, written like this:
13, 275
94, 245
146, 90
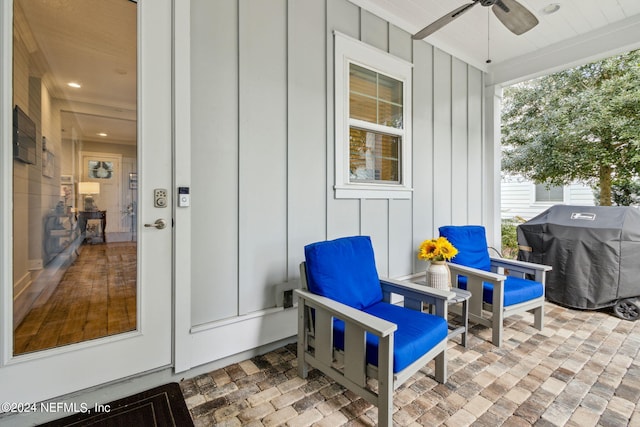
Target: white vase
438, 275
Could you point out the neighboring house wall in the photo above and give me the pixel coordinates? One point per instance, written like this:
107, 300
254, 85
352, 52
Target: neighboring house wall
518, 198
262, 160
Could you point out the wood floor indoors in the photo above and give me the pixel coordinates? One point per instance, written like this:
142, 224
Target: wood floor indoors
96, 297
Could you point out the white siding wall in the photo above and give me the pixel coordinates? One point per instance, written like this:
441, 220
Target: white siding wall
262, 158
518, 199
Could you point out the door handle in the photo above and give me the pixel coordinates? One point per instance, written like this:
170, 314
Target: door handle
159, 224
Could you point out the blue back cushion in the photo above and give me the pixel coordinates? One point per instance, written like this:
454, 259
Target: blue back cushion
471, 242
344, 270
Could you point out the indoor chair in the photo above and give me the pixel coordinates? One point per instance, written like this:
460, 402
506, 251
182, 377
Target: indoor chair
499, 287
348, 330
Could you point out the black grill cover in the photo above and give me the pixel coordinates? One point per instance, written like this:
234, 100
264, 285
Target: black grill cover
594, 252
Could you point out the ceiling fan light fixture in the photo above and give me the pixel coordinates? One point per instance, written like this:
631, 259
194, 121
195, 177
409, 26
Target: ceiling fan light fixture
551, 8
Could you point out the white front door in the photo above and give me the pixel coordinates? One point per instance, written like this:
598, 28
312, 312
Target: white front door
43, 374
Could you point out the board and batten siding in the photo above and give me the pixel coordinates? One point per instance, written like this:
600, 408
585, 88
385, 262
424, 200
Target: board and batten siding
262, 152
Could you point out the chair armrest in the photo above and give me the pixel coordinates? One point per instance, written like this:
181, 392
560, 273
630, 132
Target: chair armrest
463, 270
415, 295
521, 268
366, 321
506, 262
409, 288
475, 284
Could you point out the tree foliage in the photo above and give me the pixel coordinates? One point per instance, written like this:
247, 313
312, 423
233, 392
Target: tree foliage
579, 124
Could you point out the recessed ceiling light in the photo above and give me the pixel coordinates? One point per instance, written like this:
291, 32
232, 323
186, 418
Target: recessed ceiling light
74, 85
102, 134
551, 8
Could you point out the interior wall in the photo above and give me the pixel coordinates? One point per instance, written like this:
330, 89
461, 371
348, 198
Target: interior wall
263, 149
34, 194
21, 275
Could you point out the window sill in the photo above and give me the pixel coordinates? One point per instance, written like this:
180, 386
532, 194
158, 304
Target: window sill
372, 191
542, 204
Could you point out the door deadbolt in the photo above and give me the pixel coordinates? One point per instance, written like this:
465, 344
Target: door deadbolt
160, 198
159, 224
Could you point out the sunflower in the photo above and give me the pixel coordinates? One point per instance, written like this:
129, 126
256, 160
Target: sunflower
439, 249
447, 250
428, 250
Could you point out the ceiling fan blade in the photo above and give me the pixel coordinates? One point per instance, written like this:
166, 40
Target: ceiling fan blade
436, 25
514, 16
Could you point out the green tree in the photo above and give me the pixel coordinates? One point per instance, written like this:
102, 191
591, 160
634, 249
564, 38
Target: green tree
579, 124
623, 192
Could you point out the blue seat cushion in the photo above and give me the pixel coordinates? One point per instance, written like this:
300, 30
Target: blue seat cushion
417, 333
471, 243
516, 290
344, 270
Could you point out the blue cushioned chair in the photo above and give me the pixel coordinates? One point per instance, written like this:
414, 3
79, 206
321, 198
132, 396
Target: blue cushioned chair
348, 330
500, 287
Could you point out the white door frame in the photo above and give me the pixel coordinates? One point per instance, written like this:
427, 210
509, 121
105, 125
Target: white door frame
183, 344
50, 373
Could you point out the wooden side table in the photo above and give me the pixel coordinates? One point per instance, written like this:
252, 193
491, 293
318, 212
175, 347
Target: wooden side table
84, 216
462, 297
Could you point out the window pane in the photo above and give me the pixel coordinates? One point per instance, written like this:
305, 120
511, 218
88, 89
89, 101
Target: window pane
389, 89
390, 115
374, 97
74, 207
363, 108
553, 194
373, 156
362, 81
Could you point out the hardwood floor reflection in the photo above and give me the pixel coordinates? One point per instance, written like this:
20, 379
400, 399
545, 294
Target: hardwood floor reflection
96, 297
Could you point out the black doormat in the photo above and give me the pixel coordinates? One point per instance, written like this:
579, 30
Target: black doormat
162, 406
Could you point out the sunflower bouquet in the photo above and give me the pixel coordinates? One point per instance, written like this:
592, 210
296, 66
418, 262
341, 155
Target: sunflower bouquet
439, 249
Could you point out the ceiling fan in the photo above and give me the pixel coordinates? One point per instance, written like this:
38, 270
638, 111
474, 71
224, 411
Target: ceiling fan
512, 14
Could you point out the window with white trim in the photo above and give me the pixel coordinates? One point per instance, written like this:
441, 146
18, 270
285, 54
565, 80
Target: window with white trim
372, 119
546, 194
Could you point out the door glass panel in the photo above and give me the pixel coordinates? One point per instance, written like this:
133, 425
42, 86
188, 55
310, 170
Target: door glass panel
74, 171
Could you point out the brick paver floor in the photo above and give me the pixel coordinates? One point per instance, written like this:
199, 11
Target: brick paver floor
582, 369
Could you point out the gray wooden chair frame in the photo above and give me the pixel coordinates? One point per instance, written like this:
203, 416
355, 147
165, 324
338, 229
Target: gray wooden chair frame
493, 315
349, 367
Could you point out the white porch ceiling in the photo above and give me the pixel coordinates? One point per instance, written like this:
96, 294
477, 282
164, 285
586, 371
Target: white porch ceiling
93, 43
478, 35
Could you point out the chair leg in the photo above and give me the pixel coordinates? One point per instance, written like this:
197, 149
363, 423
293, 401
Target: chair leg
385, 407
385, 381
441, 367
303, 370
496, 329
538, 318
